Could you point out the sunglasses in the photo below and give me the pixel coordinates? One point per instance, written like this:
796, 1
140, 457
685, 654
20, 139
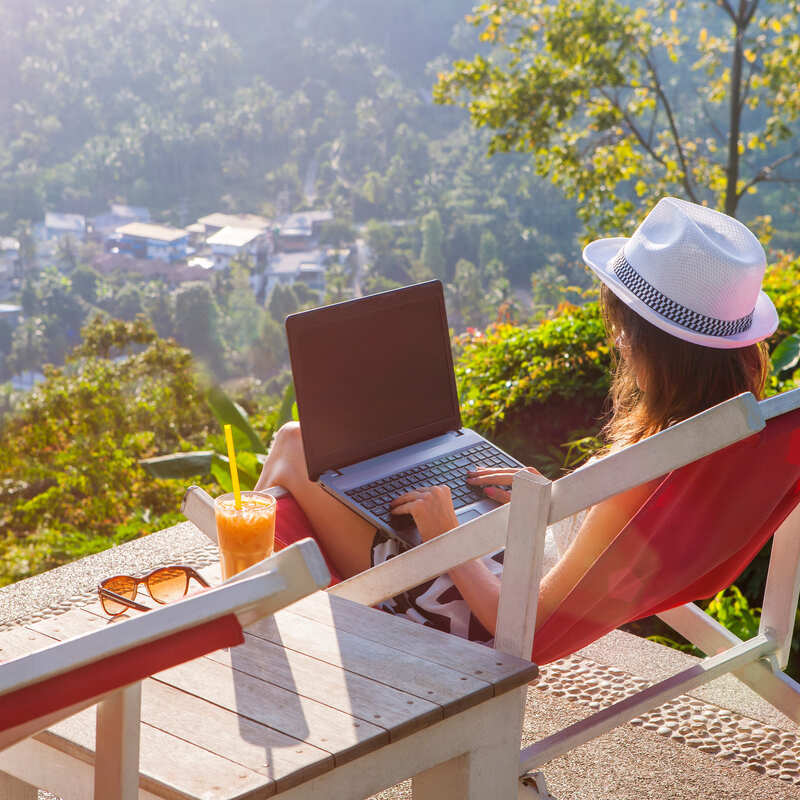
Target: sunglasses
165, 584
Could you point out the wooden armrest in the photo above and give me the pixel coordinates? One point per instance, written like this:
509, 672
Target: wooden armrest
473, 539
198, 507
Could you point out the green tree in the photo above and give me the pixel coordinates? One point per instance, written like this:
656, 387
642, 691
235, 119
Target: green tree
197, 324
338, 283
389, 257
337, 233
269, 352
28, 346
591, 88
28, 298
306, 296
466, 295
487, 250
127, 303
6, 336
158, 305
67, 253
240, 322
69, 480
84, 283
282, 302
27, 248
432, 255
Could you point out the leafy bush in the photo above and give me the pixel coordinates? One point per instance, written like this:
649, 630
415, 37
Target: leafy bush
782, 284
70, 483
215, 463
535, 389
732, 610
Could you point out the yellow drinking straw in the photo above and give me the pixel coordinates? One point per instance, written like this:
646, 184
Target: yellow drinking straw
237, 495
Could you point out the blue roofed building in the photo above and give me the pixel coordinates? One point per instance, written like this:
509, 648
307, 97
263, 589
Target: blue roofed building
147, 240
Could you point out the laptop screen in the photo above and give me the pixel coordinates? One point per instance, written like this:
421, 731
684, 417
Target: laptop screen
372, 375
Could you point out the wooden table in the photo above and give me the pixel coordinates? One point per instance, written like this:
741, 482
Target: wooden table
327, 699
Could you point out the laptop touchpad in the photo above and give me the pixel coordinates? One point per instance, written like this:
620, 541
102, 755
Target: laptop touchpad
466, 516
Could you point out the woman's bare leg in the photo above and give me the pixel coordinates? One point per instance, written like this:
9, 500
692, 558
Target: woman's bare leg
346, 537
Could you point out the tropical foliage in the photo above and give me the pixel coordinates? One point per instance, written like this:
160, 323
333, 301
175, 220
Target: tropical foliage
69, 479
533, 389
622, 103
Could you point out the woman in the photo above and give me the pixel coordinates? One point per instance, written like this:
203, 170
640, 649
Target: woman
683, 305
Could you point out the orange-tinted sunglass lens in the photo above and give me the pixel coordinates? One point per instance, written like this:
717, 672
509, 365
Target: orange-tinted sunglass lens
122, 585
168, 584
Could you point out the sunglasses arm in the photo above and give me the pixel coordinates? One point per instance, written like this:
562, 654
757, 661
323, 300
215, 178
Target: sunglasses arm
197, 576
118, 598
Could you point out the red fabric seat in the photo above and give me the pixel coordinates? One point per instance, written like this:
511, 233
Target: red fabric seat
292, 525
113, 672
691, 539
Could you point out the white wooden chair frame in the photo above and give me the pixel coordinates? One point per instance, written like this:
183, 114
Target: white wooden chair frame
520, 528
259, 591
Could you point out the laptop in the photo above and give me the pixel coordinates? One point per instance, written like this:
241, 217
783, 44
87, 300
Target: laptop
378, 406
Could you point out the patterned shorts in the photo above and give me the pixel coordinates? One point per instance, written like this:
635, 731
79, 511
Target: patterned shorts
437, 603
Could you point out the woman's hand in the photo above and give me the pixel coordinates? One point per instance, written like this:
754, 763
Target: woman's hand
431, 507
491, 479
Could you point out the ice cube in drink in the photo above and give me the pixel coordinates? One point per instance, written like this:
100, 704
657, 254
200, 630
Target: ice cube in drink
245, 535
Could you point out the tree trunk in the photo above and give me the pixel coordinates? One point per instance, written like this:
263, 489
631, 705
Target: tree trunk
732, 170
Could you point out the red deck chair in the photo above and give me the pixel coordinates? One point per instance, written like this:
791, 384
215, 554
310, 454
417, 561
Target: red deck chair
730, 482
693, 537
106, 666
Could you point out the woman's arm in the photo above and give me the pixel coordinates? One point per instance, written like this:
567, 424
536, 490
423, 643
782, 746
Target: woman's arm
603, 522
432, 509
433, 513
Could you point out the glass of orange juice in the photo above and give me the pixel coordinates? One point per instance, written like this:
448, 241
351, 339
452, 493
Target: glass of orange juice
245, 535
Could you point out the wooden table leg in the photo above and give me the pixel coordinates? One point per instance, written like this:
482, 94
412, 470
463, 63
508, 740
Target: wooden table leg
116, 772
12, 788
491, 770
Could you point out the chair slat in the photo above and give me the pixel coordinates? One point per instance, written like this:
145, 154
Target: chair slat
473, 539
522, 566
625, 710
783, 585
780, 404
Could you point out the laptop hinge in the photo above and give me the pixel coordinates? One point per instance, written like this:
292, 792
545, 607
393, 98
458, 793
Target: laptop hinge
460, 432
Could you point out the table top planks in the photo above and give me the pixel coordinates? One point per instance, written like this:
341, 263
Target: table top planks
317, 685
500, 670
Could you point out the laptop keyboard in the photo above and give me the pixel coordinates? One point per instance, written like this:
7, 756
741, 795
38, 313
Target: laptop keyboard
450, 470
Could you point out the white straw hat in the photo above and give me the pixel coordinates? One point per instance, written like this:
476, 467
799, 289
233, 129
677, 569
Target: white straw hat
693, 272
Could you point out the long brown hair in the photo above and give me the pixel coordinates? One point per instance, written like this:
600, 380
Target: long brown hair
660, 379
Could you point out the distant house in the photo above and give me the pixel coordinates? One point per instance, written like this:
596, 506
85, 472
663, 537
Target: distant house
295, 234
287, 268
146, 240
201, 261
25, 381
139, 213
171, 273
9, 247
231, 243
10, 313
300, 231
318, 218
57, 226
9, 257
214, 223
118, 215
197, 235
